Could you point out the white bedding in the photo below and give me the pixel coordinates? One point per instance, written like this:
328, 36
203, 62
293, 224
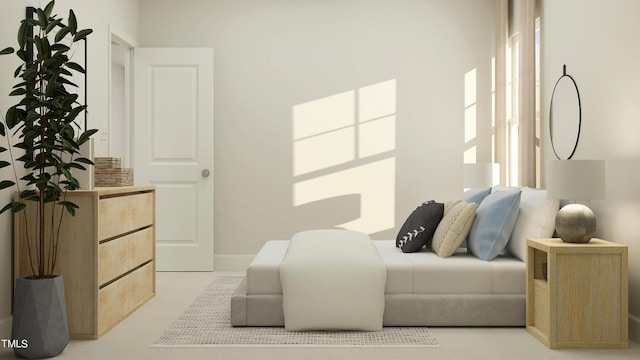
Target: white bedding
416, 273
332, 280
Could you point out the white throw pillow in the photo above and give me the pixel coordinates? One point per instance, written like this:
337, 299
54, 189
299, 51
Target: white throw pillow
454, 227
536, 219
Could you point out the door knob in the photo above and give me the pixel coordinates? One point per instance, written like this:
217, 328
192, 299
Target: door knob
205, 173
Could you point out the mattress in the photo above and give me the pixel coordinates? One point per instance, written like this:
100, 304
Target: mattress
422, 272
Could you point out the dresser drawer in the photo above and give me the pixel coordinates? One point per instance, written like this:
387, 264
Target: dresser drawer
141, 287
121, 214
141, 246
121, 297
120, 255
113, 304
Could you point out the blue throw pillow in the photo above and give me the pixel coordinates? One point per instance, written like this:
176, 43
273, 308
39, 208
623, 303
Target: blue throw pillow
475, 195
495, 218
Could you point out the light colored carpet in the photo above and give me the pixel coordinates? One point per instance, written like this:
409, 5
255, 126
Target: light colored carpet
206, 323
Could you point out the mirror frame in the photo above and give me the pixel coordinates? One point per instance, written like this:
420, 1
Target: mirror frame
575, 146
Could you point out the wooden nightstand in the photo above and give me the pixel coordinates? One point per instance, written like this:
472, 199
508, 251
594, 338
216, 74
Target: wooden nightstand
583, 302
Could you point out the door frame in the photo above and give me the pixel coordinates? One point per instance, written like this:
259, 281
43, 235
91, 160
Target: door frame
119, 37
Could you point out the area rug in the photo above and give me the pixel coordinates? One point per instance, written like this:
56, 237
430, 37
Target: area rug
207, 323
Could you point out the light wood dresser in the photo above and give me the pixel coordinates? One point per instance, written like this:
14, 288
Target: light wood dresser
106, 255
583, 301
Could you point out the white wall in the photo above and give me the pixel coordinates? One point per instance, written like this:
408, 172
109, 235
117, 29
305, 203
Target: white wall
598, 42
286, 69
95, 14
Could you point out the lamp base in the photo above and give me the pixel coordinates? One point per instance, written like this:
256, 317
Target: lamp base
575, 223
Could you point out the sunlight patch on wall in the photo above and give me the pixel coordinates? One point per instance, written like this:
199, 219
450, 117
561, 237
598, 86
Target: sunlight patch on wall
345, 144
377, 136
320, 152
470, 131
375, 182
377, 101
323, 133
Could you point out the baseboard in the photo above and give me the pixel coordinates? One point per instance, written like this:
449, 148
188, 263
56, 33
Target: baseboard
634, 328
5, 328
232, 262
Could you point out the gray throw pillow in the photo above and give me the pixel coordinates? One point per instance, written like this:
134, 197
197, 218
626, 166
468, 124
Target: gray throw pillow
419, 227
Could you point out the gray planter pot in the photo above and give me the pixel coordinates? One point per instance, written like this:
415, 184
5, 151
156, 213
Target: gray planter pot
40, 318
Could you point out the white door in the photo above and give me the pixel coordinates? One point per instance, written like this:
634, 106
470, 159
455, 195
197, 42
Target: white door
173, 150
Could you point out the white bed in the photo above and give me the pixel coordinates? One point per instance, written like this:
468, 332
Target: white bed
422, 288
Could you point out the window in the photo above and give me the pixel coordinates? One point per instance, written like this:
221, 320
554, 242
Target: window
518, 142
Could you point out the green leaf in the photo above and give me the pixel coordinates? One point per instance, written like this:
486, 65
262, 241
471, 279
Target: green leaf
3, 164
76, 67
84, 161
62, 48
6, 184
17, 72
62, 33
14, 207
22, 33
51, 84
84, 137
76, 166
31, 116
82, 34
29, 195
73, 23
43, 21
22, 55
70, 209
38, 42
7, 207
18, 92
49, 8
66, 173
6, 51
15, 115
52, 25
65, 81
75, 112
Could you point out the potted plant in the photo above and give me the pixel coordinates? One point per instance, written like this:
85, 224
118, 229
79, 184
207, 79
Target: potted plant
41, 134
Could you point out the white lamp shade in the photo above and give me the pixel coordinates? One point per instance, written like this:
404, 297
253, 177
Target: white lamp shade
575, 179
480, 175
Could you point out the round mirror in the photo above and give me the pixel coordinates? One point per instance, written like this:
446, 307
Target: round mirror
565, 117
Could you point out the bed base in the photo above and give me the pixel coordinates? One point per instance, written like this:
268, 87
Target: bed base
400, 309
